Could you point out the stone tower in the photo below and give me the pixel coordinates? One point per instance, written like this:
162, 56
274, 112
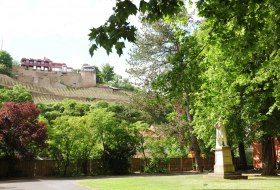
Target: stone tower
88, 75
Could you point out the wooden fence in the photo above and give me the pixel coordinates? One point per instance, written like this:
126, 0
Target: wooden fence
40, 168
174, 164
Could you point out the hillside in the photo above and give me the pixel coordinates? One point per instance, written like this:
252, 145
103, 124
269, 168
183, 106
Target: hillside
41, 94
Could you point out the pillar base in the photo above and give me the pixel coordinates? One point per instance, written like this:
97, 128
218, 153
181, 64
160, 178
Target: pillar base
224, 167
223, 161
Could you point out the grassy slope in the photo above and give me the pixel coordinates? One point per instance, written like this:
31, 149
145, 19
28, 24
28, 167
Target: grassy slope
48, 95
180, 182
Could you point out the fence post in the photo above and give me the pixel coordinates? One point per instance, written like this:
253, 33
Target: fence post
181, 164
90, 166
77, 166
44, 172
192, 164
169, 168
140, 167
34, 169
203, 163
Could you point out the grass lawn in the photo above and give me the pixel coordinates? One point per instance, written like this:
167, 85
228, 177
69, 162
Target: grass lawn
180, 182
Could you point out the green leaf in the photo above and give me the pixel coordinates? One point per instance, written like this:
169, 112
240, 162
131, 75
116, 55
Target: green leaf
119, 47
143, 6
92, 49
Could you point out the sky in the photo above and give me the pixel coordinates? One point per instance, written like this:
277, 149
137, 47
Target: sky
58, 30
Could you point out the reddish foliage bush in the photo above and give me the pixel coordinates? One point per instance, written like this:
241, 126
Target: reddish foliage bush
21, 134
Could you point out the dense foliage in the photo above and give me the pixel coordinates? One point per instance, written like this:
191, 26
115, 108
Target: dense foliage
6, 62
107, 72
108, 76
21, 133
16, 94
78, 132
22, 136
225, 67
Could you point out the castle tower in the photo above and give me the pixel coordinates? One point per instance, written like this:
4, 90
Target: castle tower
88, 75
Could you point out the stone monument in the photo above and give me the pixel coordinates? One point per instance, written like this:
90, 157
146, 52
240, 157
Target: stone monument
223, 158
223, 167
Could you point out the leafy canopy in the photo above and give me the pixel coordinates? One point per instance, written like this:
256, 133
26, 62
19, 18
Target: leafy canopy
21, 134
117, 29
6, 62
17, 94
107, 72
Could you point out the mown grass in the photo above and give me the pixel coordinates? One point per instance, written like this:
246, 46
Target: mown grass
180, 182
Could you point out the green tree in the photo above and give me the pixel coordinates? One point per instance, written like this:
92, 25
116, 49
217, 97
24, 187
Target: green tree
245, 35
74, 108
70, 139
107, 72
177, 52
21, 134
124, 112
103, 122
122, 83
105, 131
120, 147
221, 96
116, 138
67, 107
99, 78
163, 134
51, 111
66, 119
17, 94
6, 62
146, 103
148, 57
247, 40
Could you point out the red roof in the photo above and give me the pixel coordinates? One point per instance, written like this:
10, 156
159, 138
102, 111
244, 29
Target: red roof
52, 64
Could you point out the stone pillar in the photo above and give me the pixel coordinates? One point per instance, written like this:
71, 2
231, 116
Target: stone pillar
88, 79
223, 167
223, 161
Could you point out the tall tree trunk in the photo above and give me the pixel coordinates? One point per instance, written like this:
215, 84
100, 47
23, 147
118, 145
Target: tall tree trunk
194, 141
197, 152
143, 151
268, 156
242, 156
195, 145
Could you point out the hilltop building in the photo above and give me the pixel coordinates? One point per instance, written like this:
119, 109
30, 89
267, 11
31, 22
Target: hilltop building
87, 67
46, 73
44, 65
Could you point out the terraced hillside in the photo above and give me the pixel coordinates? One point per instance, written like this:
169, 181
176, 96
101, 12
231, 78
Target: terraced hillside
41, 94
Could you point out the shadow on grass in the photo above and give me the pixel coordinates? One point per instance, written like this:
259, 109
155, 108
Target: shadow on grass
266, 178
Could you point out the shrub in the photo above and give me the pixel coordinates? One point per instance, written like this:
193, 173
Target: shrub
154, 166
